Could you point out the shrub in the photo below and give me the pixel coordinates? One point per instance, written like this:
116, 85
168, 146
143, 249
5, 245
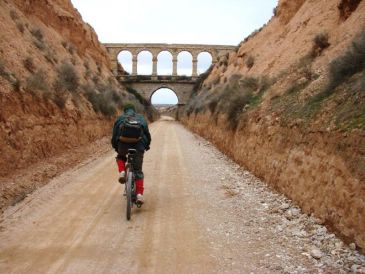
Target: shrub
37, 82
98, 66
96, 79
3, 71
39, 44
275, 11
59, 99
321, 40
16, 85
250, 61
28, 64
67, 78
347, 7
50, 56
20, 27
14, 15
38, 34
71, 48
100, 102
235, 109
353, 61
320, 43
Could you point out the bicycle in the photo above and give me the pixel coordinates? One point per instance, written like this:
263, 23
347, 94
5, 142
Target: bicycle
130, 186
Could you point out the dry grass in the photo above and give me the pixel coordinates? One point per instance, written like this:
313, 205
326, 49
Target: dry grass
67, 78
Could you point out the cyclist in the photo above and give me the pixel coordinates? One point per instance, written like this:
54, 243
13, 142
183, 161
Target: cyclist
141, 144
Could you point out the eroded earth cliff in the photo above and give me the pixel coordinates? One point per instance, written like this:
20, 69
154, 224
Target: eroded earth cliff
56, 89
289, 105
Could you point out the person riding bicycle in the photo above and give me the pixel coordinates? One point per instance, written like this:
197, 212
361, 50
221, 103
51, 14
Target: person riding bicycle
131, 120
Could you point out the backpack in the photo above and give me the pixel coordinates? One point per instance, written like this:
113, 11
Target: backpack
130, 130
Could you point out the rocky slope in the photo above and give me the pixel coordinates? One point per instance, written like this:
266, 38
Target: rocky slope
56, 88
289, 105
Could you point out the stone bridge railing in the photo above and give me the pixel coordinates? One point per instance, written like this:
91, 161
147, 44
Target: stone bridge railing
214, 50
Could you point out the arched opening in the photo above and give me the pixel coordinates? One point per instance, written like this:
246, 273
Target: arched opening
164, 97
164, 63
204, 62
125, 60
144, 63
185, 63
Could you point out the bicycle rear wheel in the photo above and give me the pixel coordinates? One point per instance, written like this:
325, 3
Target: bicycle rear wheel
129, 194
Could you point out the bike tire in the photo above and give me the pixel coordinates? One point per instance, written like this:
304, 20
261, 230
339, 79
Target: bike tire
129, 195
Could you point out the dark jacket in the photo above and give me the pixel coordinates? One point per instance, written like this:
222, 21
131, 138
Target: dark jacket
146, 137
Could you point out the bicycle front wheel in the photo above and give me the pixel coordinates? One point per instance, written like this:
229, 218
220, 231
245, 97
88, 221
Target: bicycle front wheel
129, 194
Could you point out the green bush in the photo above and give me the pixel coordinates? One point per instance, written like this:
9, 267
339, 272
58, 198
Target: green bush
67, 78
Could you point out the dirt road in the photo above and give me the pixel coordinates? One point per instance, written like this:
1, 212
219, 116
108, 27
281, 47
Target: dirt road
203, 214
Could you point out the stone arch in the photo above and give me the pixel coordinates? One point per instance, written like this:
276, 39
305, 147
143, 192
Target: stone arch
158, 87
164, 63
126, 62
187, 66
144, 63
204, 61
164, 87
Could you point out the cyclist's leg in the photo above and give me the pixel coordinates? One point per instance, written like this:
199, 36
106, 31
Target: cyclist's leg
121, 160
139, 173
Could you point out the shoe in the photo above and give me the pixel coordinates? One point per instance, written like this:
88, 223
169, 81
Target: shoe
140, 199
122, 177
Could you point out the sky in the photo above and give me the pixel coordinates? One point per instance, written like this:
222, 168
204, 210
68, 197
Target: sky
222, 22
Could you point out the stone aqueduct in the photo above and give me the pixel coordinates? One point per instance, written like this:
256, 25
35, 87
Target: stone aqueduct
147, 85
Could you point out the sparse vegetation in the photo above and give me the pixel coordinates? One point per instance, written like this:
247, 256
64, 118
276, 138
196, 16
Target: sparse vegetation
250, 61
71, 48
321, 40
104, 98
234, 98
67, 78
20, 27
39, 44
320, 43
14, 15
59, 99
3, 71
38, 34
347, 7
50, 56
37, 82
353, 61
16, 85
275, 11
29, 64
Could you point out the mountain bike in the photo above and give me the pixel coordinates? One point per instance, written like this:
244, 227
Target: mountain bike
130, 186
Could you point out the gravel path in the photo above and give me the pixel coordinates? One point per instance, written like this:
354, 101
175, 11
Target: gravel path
203, 214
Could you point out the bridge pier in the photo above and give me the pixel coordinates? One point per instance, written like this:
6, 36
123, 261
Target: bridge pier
174, 65
154, 66
195, 66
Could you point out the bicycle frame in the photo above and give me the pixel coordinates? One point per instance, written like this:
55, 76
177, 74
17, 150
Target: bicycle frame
130, 188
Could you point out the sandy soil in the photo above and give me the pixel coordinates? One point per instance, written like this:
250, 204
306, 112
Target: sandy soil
203, 214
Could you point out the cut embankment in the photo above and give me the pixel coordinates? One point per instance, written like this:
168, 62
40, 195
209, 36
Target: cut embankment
319, 170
